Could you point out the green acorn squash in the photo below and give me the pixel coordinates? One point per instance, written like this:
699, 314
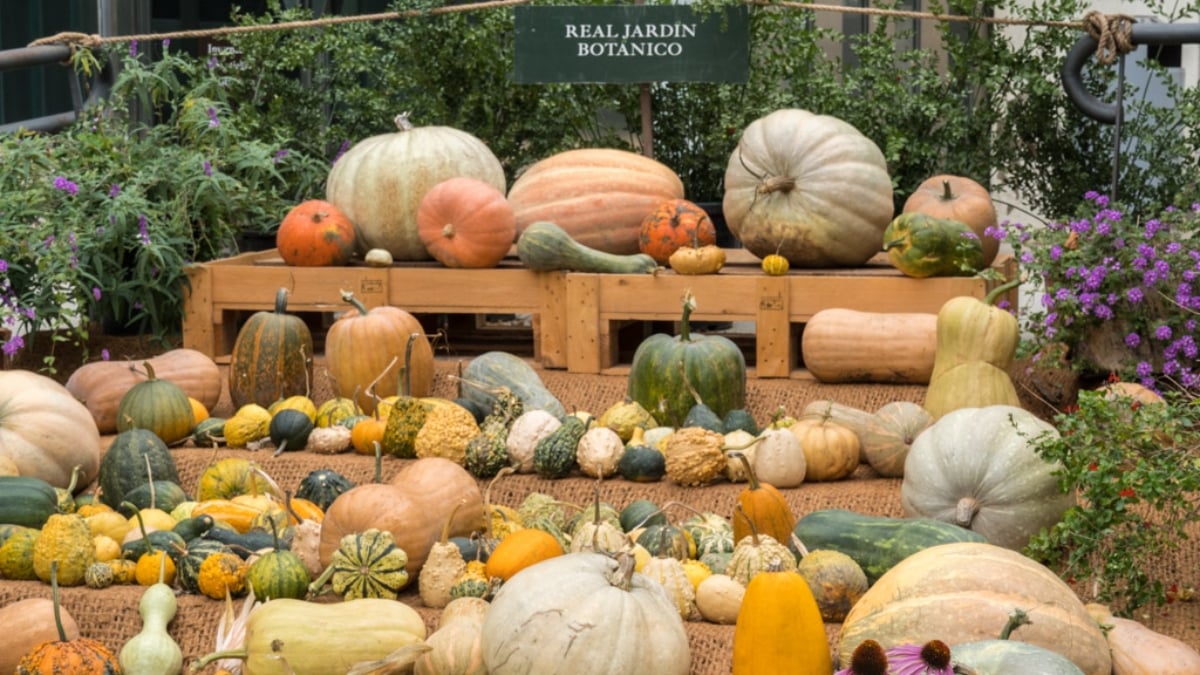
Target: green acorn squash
713, 364
322, 486
134, 457
923, 246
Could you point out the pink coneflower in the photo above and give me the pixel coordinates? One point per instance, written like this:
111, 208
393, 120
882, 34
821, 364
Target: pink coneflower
869, 658
931, 658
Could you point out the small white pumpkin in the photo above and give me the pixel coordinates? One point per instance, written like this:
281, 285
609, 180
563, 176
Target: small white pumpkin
599, 451
531, 427
735, 469
779, 459
719, 598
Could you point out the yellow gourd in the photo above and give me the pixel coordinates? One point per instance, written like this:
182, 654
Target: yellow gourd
64, 538
446, 432
779, 628
443, 566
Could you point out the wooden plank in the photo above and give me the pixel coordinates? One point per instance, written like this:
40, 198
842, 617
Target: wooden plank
589, 342
199, 333
550, 322
773, 344
465, 291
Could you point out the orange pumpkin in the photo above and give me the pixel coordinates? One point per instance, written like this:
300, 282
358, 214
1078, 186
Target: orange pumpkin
962, 199
673, 224
315, 233
366, 433
519, 550
78, 655
466, 222
385, 331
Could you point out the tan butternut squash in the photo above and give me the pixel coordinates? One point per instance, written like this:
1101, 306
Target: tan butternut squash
844, 345
28, 623
1138, 650
100, 385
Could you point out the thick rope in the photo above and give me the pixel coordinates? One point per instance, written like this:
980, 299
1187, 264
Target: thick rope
1111, 31
1112, 34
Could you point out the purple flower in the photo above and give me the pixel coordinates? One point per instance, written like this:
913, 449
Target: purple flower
13, 345
213, 122
114, 191
207, 168
931, 658
166, 43
65, 185
1163, 332
212, 62
1134, 295
95, 292
1133, 340
1056, 252
133, 48
104, 356
341, 151
3, 265
280, 154
143, 230
1027, 257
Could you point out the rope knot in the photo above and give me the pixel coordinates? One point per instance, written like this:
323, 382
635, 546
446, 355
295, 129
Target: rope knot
1112, 34
72, 40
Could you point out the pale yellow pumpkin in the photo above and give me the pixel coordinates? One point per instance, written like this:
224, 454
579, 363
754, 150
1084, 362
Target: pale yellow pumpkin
831, 451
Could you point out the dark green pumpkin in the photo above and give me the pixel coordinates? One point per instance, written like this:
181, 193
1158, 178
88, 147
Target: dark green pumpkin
666, 540
641, 513
209, 433
134, 458
740, 418
322, 486
289, 430
923, 246
272, 357
492, 370
713, 364
160, 406
554, 455
642, 464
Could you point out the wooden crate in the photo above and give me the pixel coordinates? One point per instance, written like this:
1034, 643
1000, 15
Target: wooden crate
598, 303
222, 291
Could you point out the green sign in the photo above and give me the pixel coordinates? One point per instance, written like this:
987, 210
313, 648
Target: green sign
634, 43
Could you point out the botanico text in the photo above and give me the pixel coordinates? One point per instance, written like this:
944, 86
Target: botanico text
630, 39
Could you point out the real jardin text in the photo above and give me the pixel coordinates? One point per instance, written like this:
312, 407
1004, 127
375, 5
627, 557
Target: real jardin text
630, 39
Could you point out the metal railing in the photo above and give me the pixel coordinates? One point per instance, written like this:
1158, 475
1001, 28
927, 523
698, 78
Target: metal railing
30, 57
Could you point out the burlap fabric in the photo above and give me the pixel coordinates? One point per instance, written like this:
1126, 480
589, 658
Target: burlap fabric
111, 615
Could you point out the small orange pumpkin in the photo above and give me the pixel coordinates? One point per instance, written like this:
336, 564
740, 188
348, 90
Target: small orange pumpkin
315, 233
675, 223
962, 199
81, 655
519, 550
466, 223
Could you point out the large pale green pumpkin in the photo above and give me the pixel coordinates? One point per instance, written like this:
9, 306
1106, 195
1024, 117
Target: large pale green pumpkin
379, 183
714, 366
809, 187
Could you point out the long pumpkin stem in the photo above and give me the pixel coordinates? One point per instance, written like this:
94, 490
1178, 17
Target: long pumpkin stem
347, 296
62, 633
994, 294
1015, 620
689, 304
202, 663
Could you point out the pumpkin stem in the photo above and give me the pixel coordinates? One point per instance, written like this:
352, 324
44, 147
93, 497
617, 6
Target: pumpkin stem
62, 633
739, 511
287, 505
150, 480
487, 498
371, 387
753, 479
689, 305
202, 663
378, 462
402, 122
76, 471
799, 545
450, 520
141, 525
347, 296
947, 194
964, 511
1015, 620
318, 584
994, 294
776, 184
406, 381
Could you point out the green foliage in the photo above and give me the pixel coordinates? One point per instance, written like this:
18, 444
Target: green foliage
1135, 470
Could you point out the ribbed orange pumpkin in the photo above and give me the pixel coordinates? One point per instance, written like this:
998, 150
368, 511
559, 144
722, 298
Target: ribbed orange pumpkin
380, 182
519, 550
360, 346
315, 233
599, 196
675, 223
962, 199
465, 222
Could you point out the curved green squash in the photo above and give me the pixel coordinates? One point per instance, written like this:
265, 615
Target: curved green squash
664, 365
272, 357
134, 458
922, 246
554, 455
876, 543
160, 494
494, 369
26, 501
544, 247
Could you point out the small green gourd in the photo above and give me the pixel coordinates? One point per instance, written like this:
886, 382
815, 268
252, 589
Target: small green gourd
554, 455
153, 651
546, 247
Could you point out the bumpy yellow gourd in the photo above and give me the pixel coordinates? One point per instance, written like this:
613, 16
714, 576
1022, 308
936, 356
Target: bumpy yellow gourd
67, 539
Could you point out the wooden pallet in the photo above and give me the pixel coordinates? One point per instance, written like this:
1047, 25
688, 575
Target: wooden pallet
576, 317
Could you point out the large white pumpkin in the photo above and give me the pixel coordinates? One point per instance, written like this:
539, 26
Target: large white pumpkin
379, 183
977, 468
810, 187
576, 614
45, 430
